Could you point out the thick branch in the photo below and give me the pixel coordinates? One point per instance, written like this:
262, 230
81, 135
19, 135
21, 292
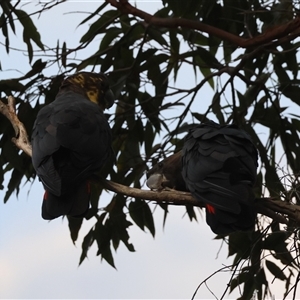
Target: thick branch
275, 209
170, 196
270, 207
272, 34
21, 140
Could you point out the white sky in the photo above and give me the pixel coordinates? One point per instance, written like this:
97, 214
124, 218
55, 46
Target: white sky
38, 259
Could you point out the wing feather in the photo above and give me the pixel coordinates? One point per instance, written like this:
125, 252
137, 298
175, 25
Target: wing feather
71, 139
219, 168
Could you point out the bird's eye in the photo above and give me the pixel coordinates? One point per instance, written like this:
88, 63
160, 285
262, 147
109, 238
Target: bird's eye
160, 164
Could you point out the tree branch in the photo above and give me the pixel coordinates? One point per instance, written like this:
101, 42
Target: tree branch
21, 140
272, 34
170, 196
274, 208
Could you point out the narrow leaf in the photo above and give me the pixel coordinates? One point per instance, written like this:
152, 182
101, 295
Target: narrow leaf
275, 270
29, 31
86, 244
74, 226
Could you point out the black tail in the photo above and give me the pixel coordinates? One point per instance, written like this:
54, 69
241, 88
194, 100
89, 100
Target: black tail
219, 168
75, 204
223, 223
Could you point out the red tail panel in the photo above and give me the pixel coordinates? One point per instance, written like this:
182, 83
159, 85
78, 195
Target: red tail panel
210, 209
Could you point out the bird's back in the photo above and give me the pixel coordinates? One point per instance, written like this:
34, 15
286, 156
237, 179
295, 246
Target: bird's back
219, 168
71, 139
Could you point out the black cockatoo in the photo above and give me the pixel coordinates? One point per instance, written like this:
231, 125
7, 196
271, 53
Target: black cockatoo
218, 166
71, 140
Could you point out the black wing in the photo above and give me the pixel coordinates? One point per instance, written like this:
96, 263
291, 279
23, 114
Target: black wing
71, 140
219, 168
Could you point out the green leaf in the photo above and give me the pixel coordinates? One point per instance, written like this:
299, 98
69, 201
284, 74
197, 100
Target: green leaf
7, 8
196, 38
208, 58
91, 61
149, 138
204, 69
191, 212
9, 85
275, 270
248, 290
95, 13
200, 117
296, 123
291, 91
162, 13
30, 32
74, 227
284, 255
103, 238
239, 244
272, 240
281, 73
37, 68
108, 60
186, 8
151, 108
111, 34
145, 56
228, 49
107, 255
275, 226
154, 73
100, 25
86, 244
290, 57
14, 184
261, 277
64, 55
164, 206
272, 180
241, 278
118, 225
3, 26
130, 156
174, 42
141, 214
216, 107
156, 35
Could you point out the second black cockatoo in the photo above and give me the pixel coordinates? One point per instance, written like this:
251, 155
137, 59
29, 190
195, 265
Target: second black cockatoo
218, 166
71, 140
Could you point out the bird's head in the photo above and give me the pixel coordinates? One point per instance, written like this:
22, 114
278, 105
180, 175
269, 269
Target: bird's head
94, 86
167, 174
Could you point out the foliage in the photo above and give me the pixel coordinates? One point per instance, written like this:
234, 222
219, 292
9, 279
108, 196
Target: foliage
245, 53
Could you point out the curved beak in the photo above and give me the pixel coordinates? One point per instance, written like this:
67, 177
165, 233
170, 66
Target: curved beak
109, 98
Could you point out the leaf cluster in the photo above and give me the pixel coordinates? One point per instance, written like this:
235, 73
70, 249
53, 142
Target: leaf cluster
256, 87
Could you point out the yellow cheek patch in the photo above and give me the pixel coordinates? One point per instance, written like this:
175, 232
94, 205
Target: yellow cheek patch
93, 95
90, 85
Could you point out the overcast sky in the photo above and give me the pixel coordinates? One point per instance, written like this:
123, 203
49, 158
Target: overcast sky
38, 259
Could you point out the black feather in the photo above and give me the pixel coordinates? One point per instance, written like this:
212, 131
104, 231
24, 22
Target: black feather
219, 168
71, 140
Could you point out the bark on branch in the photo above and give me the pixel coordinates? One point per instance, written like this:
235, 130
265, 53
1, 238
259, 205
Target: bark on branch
290, 28
21, 139
170, 196
276, 209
